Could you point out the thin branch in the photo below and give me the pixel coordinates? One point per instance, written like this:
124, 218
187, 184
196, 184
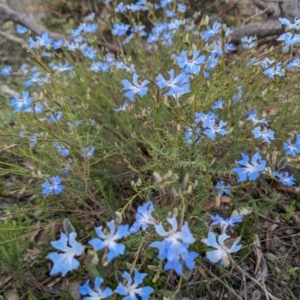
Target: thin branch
7, 14
10, 37
254, 16
268, 10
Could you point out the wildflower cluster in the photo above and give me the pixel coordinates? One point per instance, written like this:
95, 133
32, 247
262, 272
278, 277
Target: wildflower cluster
173, 249
82, 143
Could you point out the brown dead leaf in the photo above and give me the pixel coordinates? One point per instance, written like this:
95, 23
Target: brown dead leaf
226, 199
34, 251
28, 166
73, 289
32, 254
218, 200
261, 268
258, 253
202, 272
11, 294
209, 205
44, 235
270, 111
53, 282
270, 233
289, 189
4, 280
261, 49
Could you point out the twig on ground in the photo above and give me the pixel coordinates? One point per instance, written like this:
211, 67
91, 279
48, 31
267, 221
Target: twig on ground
244, 273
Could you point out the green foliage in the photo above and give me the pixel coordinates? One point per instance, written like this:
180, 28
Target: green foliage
13, 246
142, 153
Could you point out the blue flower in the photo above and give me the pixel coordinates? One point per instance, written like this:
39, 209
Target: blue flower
138, 6
192, 135
34, 79
237, 96
65, 262
139, 29
77, 123
170, 13
212, 128
43, 41
135, 88
222, 188
229, 47
21, 103
33, 140
181, 7
292, 148
174, 246
189, 27
130, 290
285, 179
68, 167
250, 171
224, 223
47, 54
164, 3
121, 8
54, 186
295, 63
99, 67
181, 255
265, 134
21, 29
248, 42
109, 59
91, 28
55, 117
6, 71
190, 65
288, 24
90, 17
122, 107
177, 91
208, 32
61, 68
275, 71
77, 31
61, 149
143, 217
289, 39
57, 44
109, 240
89, 52
215, 49
218, 104
252, 116
173, 82
202, 117
222, 252
128, 38
88, 152
266, 63
72, 46
252, 112
37, 109
99, 294
120, 29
